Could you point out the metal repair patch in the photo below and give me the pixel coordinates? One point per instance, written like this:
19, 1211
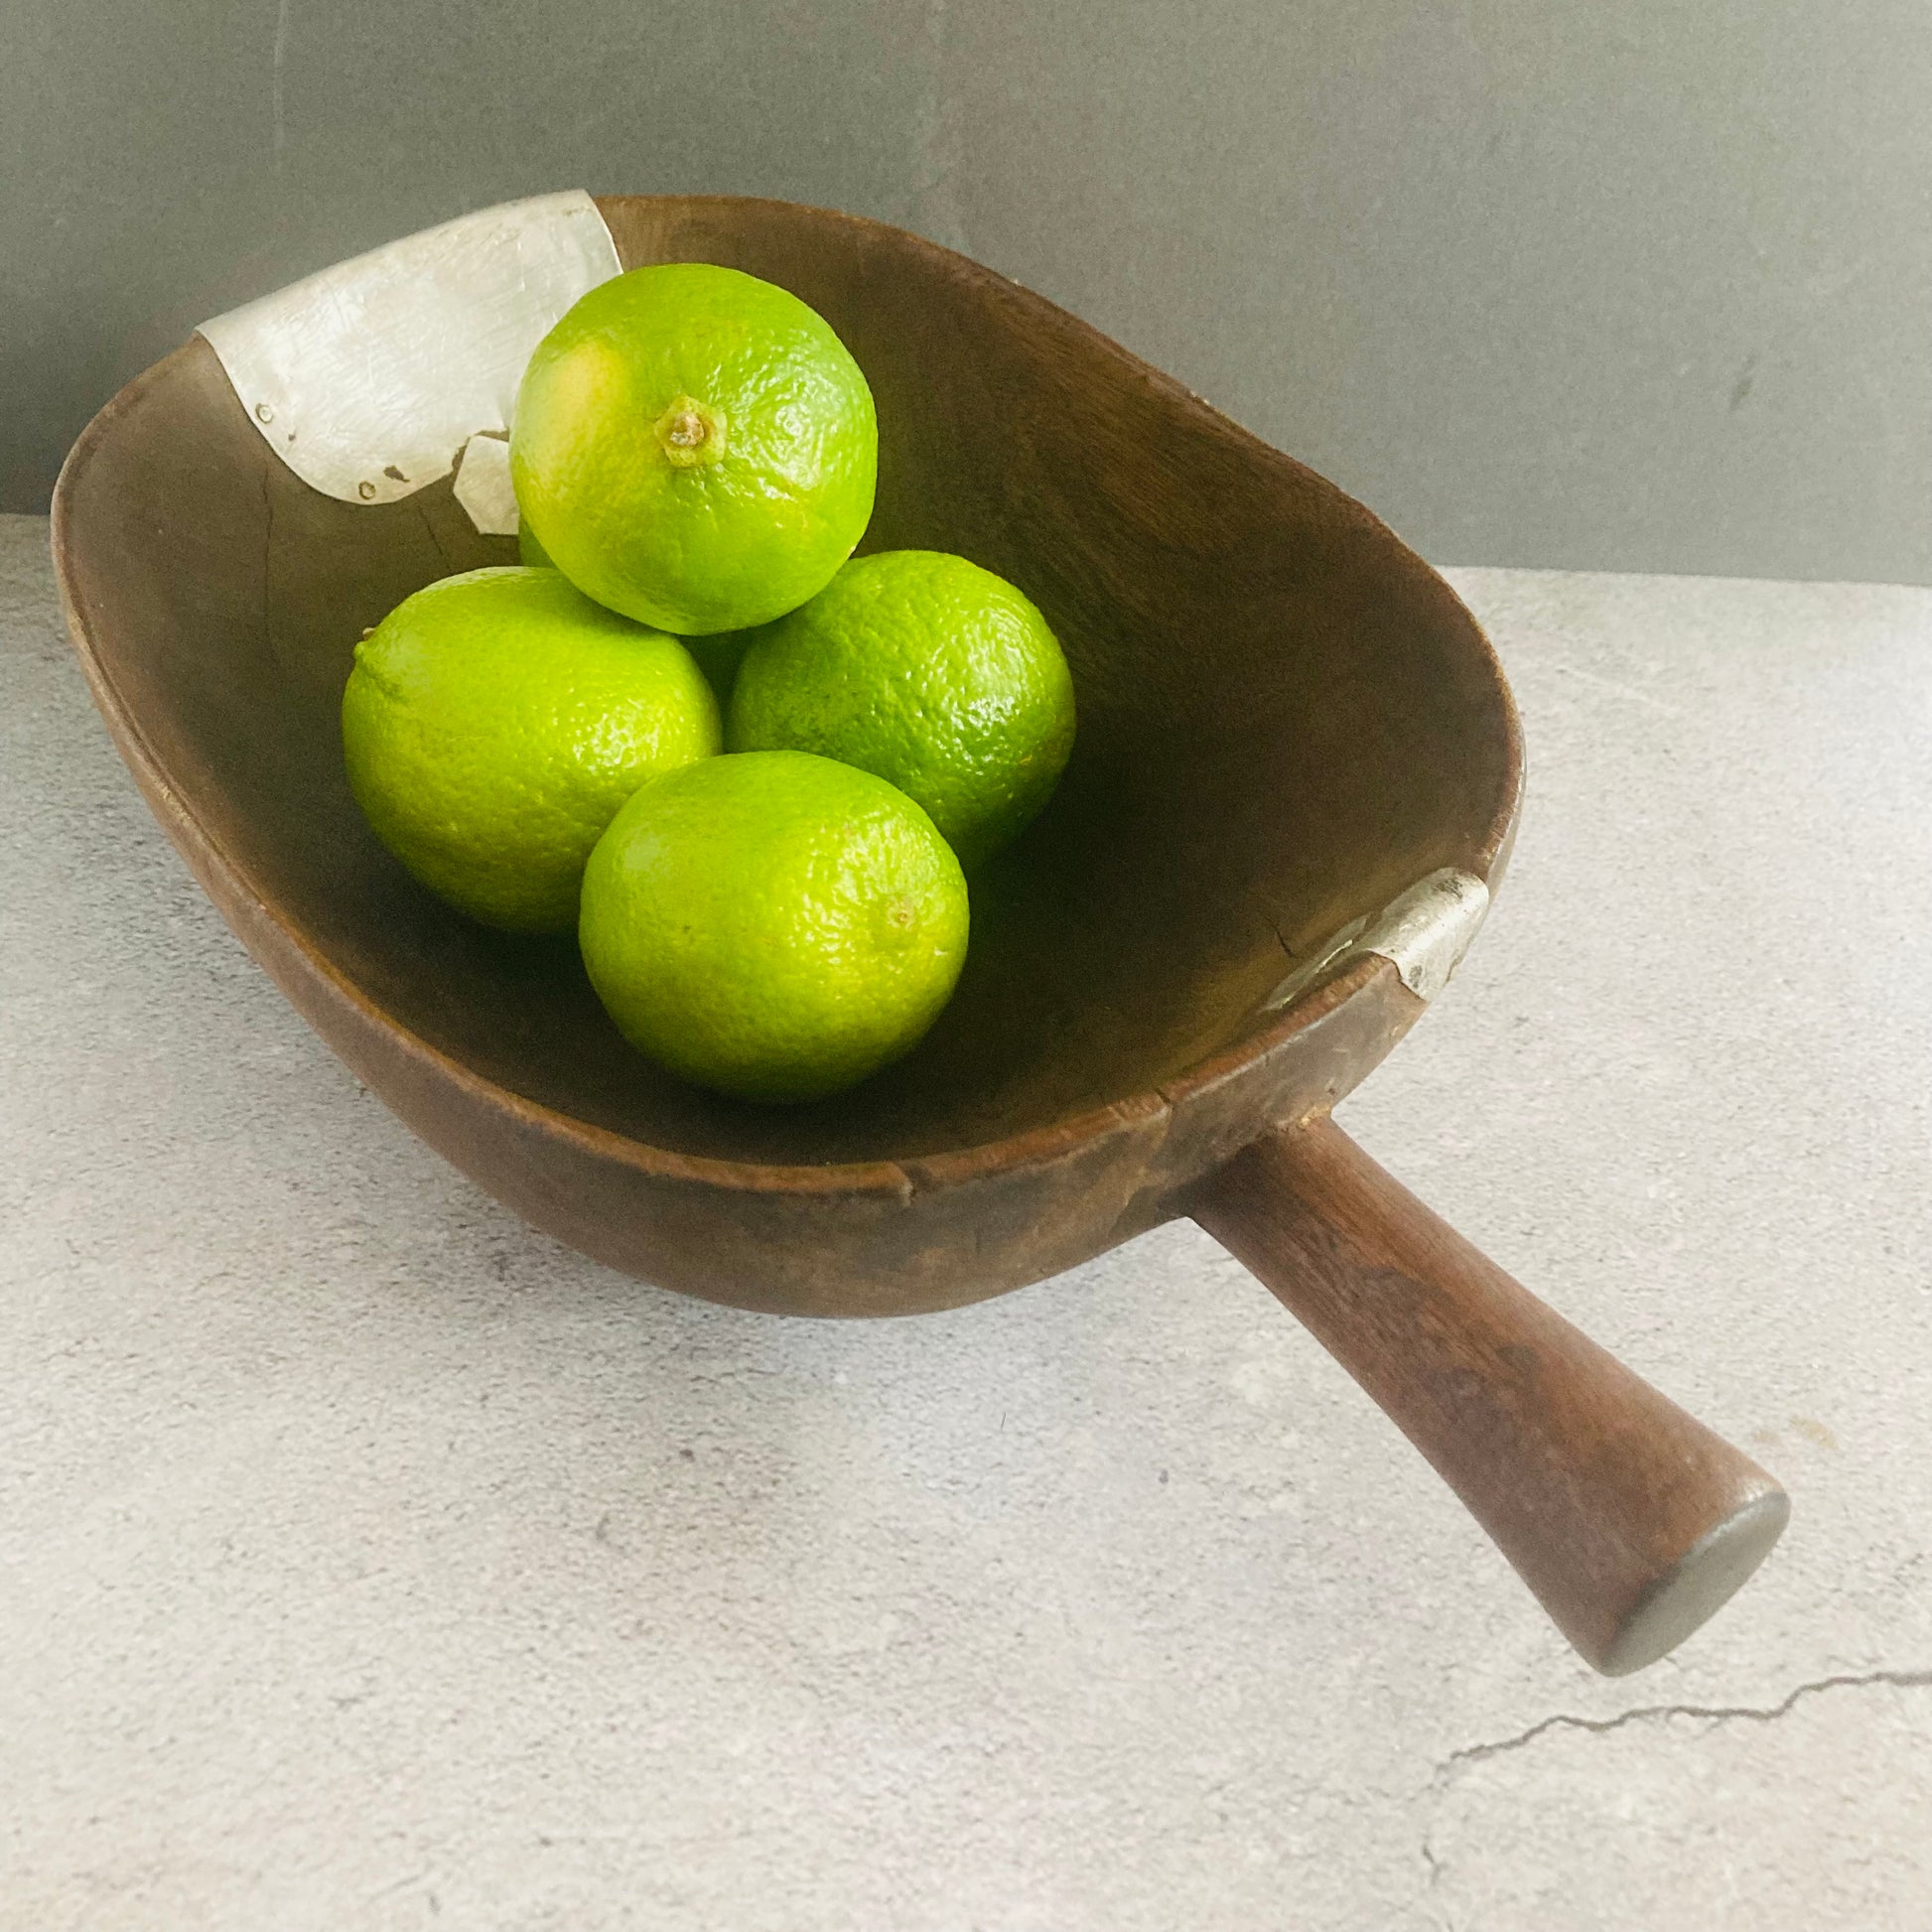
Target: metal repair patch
1423, 932
369, 378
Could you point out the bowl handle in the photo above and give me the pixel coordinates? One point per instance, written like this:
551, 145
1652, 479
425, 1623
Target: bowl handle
1631, 1521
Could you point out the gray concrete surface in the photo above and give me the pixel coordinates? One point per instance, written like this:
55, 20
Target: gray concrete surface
367, 1561
1638, 287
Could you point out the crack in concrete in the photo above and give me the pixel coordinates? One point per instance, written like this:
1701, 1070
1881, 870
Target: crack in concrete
1905, 1679
1714, 1713
1434, 1863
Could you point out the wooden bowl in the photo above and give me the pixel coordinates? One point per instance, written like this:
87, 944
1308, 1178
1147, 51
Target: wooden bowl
1287, 722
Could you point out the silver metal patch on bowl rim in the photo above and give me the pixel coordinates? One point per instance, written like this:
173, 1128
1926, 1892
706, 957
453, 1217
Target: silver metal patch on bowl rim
1423, 932
483, 484
369, 378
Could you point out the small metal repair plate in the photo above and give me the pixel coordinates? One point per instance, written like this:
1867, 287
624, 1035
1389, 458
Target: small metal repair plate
1423, 932
368, 378
483, 488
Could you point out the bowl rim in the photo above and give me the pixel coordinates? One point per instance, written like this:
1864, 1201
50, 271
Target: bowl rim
977, 1161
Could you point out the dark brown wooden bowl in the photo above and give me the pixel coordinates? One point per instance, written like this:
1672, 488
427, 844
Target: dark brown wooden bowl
1287, 719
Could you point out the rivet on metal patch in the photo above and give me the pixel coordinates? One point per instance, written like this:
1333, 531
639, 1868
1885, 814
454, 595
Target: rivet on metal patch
368, 378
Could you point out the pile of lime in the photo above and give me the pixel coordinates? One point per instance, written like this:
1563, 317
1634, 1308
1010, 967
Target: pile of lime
747, 769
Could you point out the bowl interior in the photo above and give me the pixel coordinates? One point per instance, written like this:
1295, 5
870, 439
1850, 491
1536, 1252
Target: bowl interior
1284, 718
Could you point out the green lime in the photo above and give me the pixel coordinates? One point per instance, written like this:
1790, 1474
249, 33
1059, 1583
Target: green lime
717, 654
694, 448
495, 721
776, 926
929, 671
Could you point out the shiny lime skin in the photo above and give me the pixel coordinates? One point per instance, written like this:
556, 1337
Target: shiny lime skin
695, 448
495, 721
717, 654
776, 927
928, 670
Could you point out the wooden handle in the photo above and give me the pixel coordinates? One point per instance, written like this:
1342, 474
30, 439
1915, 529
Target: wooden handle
1629, 1519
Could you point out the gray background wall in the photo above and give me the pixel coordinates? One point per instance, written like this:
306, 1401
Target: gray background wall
1643, 286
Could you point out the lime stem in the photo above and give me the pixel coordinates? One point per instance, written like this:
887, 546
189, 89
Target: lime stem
691, 432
